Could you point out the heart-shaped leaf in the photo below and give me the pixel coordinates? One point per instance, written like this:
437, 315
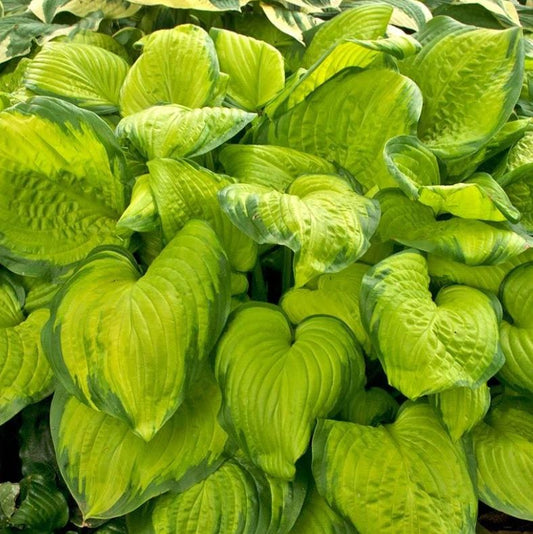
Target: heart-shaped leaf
255, 68
235, 498
503, 447
177, 66
128, 344
462, 409
271, 166
174, 131
25, 375
55, 208
470, 78
183, 191
468, 241
328, 123
110, 471
295, 376
407, 477
373, 406
83, 74
516, 330
428, 346
336, 294
415, 169
321, 218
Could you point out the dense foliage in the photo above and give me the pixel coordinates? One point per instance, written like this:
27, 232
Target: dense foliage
273, 261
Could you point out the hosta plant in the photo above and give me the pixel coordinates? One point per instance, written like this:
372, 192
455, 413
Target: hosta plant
265, 267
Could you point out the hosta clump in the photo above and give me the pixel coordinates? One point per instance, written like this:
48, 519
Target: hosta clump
276, 265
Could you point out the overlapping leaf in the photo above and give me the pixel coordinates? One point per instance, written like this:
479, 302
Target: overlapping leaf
428, 346
176, 132
468, 241
63, 177
503, 447
295, 376
128, 344
110, 471
25, 375
470, 78
321, 218
349, 119
372, 406
177, 66
408, 477
516, 330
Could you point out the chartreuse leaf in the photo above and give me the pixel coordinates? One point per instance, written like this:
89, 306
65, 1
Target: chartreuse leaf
110, 471
401, 478
462, 409
428, 346
141, 214
290, 20
373, 406
295, 376
183, 191
102, 40
255, 68
416, 171
86, 75
468, 241
487, 277
470, 78
128, 344
202, 5
176, 132
321, 218
516, 330
365, 21
177, 66
25, 375
271, 166
55, 208
503, 447
348, 120
517, 180
335, 294
318, 518
235, 498
410, 14
111, 9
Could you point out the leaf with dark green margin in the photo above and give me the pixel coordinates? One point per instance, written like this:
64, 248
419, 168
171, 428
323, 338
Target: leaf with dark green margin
183, 191
41, 507
174, 131
335, 294
141, 214
462, 409
25, 375
321, 218
290, 20
256, 69
503, 447
110, 471
373, 406
401, 478
86, 75
516, 330
464, 240
296, 377
318, 518
177, 66
55, 208
470, 78
233, 499
46, 10
271, 166
348, 120
517, 181
486, 277
416, 171
201, 5
129, 344
428, 346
